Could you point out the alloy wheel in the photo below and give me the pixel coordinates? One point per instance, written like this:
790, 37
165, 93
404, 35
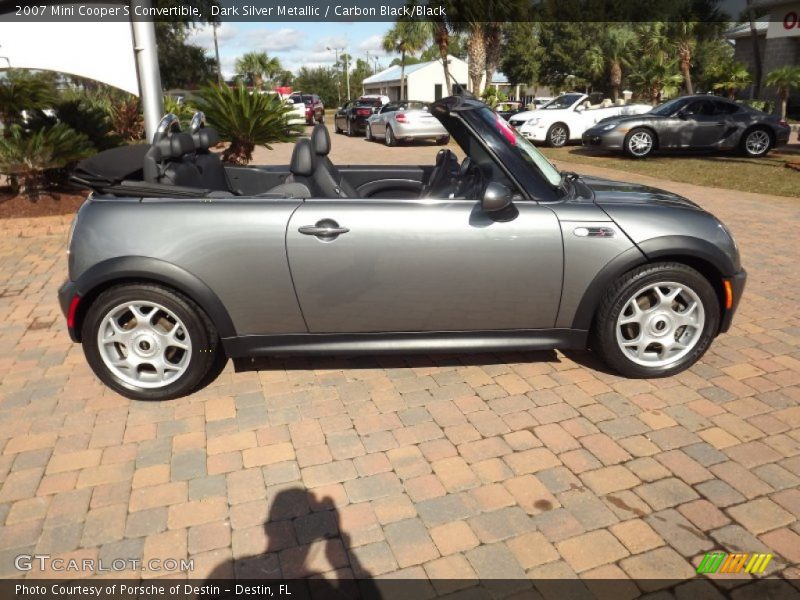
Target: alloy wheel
640, 143
757, 142
144, 344
558, 136
660, 324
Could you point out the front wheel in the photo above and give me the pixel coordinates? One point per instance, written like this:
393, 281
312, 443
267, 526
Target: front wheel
147, 342
756, 143
640, 143
557, 135
656, 320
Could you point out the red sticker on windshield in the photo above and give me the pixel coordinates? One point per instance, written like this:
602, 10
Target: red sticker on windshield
505, 129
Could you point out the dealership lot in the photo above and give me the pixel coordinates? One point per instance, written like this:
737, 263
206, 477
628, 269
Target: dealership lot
539, 465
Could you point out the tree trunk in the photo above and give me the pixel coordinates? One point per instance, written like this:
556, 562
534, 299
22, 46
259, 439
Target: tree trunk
494, 46
685, 57
755, 90
731, 93
476, 49
402, 75
442, 39
616, 79
258, 81
784, 95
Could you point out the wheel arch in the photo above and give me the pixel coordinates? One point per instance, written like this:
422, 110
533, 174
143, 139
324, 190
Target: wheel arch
140, 269
698, 254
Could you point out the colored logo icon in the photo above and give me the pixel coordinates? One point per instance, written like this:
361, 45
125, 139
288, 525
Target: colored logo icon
722, 562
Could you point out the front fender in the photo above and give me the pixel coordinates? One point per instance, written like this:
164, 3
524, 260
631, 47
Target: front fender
142, 268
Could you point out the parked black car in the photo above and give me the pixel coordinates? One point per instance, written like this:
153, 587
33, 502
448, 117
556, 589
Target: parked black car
351, 117
691, 123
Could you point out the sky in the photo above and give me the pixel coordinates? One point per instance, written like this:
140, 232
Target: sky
295, 44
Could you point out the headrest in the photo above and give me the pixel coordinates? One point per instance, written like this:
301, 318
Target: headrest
321, 140
175, 146
205, 138
302, 158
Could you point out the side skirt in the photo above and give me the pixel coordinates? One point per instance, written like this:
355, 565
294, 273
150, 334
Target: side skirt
352, 344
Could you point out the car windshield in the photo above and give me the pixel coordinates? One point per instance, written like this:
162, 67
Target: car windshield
412, 105
669, 108
561, 102
522, 146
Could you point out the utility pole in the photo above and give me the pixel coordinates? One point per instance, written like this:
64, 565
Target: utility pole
338, 84
214, 25
347, 74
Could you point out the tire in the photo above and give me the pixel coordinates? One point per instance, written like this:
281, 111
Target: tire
389, 138
443, 140
368, 133
321, 118
349, 131
662, 320
756, 142
557, 135
188, 368
639, 143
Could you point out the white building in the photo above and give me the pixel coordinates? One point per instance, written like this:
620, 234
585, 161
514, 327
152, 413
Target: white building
423, 81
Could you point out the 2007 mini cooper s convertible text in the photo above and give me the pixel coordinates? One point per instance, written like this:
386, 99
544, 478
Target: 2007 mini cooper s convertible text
178, 262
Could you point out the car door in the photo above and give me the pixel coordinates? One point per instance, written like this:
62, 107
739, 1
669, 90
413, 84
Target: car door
340, 118
704, 126
363, 265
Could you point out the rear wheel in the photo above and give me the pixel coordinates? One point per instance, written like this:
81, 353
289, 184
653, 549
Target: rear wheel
147, 342
389, 137
656, 320
557, 135
756, 143
640, 143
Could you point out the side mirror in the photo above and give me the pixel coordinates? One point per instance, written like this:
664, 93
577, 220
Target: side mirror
580, 108
496, 197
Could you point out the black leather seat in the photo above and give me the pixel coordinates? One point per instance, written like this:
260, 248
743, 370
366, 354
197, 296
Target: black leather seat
330, 182
164, 162
212, 171
300, 182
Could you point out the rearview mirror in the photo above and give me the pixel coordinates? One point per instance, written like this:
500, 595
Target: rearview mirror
496, 197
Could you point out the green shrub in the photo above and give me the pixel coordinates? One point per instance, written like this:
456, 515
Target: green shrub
29, 157
245, 119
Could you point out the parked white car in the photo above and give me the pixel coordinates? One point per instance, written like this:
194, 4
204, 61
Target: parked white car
566, 117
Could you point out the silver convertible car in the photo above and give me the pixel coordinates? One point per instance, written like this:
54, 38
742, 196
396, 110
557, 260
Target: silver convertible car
178, 262
405, 121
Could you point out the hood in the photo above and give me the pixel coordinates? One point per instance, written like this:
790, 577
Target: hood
609, 192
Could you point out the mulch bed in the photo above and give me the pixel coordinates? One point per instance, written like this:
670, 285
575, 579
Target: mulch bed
55, 202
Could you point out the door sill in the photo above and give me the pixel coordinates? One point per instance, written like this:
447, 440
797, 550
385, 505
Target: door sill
310, 344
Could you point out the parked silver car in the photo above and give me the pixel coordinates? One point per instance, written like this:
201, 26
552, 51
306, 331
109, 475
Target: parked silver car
178, 262
407, 120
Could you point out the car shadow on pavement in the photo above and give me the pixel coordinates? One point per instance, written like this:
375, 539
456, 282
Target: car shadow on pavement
306, 551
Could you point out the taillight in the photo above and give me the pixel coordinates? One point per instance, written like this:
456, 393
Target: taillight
782, 122
363, 112
73, 311
401, 118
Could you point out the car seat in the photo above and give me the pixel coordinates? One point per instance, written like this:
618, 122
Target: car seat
328, 179
208, 163
299, 183
163, 162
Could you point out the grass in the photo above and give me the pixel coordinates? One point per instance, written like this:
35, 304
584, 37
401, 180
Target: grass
767, 175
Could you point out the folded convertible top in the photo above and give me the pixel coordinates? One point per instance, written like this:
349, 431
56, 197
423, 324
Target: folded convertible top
110, 167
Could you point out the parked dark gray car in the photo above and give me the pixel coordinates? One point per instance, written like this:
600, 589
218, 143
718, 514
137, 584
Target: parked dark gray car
699, 123
169, 275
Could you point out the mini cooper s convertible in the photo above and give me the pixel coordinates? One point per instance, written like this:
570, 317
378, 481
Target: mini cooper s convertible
178, 262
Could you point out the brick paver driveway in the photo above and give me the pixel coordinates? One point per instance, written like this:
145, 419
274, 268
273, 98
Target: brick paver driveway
519, 465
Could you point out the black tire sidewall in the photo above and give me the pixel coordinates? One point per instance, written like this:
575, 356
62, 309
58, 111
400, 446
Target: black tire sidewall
200, 330
604, 333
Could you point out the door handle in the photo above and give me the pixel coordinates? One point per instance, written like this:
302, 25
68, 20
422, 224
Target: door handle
314, 230
326, 229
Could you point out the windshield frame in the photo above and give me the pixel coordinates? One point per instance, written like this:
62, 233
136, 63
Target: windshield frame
680, 103
578, 96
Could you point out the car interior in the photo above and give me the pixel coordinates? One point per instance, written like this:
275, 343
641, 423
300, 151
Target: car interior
181, 164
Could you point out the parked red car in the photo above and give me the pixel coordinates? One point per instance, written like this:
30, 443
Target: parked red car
315, 109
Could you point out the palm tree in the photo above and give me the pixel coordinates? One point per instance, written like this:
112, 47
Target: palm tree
476, 53
405, 37
613, 50
656, 76
440, 32
784, 79
755, 91
21, 91
494, 48
255, 67
733, 77
684, 37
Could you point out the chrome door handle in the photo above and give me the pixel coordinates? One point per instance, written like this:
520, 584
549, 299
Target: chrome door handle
325, 229
314, 230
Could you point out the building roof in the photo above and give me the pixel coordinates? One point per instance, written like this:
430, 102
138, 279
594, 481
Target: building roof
393, 73
743, 29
